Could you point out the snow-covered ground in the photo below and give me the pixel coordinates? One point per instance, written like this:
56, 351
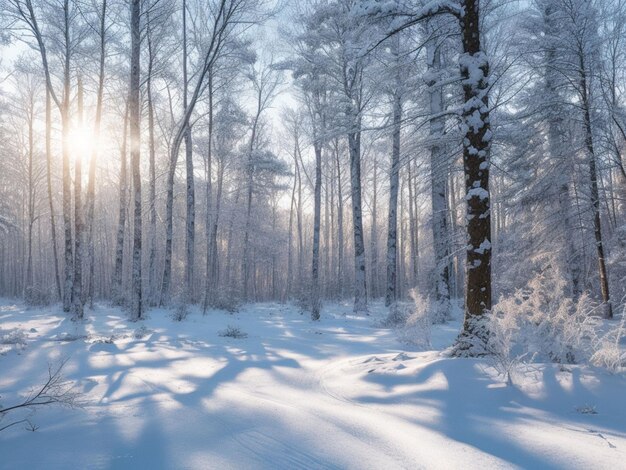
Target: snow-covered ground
339, 393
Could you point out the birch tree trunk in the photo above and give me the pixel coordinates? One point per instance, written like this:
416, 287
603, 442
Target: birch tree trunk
190, 224
152, 235
77, 293
439, 179
67, 178
91, 187
116, 282
31, 195
394, 182
340, 237
135, 144
317, 207
209, 216
374, 233
53, 230
360, 278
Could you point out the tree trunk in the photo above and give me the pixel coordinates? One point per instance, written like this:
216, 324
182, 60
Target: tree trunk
117, 291
374, 234
340, 239
53, 229
360, 287
31, 196
152, 234
77, 287
135, 144
209, 216
190, 224
594, 192
474, 67
317, 206
91, 188
67, 178
394, 182
439, 179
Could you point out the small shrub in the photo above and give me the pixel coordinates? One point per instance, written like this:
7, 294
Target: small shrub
35, 297
68, 337
416, 328
180, 312
609, 353
586, 410
397, 316
12, 339
232, 332
228, 303
141, 332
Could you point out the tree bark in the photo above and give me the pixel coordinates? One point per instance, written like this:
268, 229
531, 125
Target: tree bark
152, 231
91, 188
135, 144
594, 191
394, 182
53, 230
474, 67
439, 179
116, 282
77, 287
317, 207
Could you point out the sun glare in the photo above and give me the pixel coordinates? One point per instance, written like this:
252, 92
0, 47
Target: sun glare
81, 142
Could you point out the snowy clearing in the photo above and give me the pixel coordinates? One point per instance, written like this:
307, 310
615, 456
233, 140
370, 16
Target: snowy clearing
340, 393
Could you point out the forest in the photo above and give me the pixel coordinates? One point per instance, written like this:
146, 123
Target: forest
404, 220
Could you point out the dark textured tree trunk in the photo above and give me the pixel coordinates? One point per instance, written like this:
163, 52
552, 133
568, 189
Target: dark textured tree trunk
474, 68
594, 192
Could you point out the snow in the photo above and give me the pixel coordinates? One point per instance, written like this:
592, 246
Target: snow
484, 246
480, 193
339, 393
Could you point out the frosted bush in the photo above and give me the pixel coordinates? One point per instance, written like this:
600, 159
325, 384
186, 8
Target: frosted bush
35, 297
232, 332
397, 316
416, 328
228, 302
542, 323
12, 339
180, 312
609, 353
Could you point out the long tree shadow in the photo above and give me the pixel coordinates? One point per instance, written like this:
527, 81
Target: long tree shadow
470, 407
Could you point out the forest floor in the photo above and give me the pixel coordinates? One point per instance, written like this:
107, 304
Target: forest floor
339, 393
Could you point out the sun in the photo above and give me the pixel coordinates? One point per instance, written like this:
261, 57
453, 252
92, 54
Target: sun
81, 142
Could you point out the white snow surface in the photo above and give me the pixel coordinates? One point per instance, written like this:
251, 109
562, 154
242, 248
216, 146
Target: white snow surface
339, 393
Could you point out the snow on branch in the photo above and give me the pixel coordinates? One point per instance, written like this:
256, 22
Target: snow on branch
399, 8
